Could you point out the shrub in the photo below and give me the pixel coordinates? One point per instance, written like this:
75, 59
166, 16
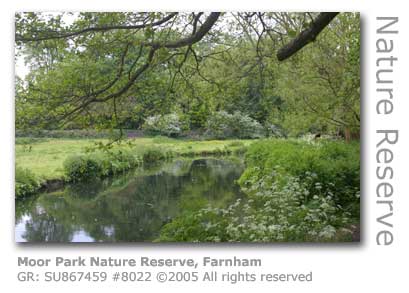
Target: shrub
335, 166
26, 183
273, 130
98, 165
82, 168
169, 125
223, 125
153, 155
246, 127
218, 125
121, 161
198, 115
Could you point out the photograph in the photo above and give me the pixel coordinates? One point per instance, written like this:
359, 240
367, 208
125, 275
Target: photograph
187, 127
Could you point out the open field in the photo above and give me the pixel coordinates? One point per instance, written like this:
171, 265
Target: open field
45, 158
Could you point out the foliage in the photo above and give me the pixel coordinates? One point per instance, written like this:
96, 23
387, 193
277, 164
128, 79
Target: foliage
321, 84
223, 125
273, 213
296, 192
276, 131
169, 125
26, 182
231, 70
224, 84
98, 165
153, 155
335, 166
198, 114
82, 167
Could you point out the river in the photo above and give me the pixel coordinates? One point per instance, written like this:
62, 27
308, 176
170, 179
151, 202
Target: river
128, 208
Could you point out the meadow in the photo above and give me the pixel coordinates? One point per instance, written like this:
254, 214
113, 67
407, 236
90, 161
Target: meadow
45, 156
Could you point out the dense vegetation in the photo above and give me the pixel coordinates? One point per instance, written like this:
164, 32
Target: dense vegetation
85, 167
26, 182
106, 93
296, 192
118, 79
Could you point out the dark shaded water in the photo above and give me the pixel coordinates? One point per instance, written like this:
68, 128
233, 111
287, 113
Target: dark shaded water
132, 207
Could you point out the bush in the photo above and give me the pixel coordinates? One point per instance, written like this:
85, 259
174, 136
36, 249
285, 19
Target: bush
223, 125
98, 165
82, 168
218, 125
169, 125
246, 127
153, 155
198, 115
335, 166
276, 131
121, 161
26, 183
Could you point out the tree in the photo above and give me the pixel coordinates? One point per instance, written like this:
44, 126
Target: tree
322, 83
116, 69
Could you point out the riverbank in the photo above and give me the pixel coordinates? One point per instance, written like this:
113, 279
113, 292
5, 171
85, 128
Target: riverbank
293, 190
129, 207
296, 191
44, 158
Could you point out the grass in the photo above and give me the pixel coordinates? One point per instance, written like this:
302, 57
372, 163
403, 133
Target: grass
45, 157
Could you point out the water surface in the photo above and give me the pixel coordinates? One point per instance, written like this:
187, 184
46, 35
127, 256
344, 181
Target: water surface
131, 207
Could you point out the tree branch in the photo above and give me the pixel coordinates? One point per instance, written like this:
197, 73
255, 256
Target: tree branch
61, 35
194, 38
306, 36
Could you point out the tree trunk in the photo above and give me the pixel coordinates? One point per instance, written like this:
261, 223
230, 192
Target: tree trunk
347, 133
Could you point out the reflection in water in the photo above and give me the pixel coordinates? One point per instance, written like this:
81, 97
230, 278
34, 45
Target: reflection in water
132, 207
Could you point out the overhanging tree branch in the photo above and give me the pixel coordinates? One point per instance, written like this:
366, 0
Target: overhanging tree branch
306, 36
49, 35
194, 38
